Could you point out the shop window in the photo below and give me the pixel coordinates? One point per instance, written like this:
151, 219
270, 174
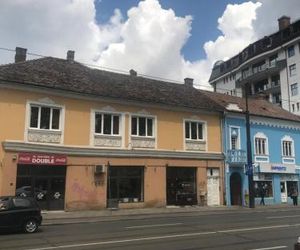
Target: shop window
43, 117
291, 186
267, 185
107, 124
194, 130
126, 184
261, 144
291, 51
142, 126
292, 69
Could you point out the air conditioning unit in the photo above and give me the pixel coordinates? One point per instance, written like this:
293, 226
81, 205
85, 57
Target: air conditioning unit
100, 169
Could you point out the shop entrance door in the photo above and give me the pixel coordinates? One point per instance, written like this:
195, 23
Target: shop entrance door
181, 186
213, 189
283, 191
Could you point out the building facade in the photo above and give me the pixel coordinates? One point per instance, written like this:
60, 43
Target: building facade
270, 66
80, 138
275, 141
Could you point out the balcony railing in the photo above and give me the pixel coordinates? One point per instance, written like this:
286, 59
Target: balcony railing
236, 156
261, 72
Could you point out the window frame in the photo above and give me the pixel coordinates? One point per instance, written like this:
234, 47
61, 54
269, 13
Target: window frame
294, 89
260, 135
146, 116
291, 51
238, 146
289, 139
294, 72
204, 130
52, 106
113, 114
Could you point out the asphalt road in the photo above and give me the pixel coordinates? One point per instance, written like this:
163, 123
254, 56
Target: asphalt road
243, 229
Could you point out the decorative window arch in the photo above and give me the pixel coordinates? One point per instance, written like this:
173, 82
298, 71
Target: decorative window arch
287, 147
261, 144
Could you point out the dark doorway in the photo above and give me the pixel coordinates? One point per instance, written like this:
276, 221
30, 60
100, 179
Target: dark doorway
236, 189
181, 186
45, 183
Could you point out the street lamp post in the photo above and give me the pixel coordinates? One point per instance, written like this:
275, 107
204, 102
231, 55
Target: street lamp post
249, 153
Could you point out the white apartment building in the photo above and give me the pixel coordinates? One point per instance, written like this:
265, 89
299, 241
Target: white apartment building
269, 66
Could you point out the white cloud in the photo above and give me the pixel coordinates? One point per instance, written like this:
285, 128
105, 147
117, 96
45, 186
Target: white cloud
149, 41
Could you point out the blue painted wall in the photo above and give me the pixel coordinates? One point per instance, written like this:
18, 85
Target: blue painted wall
274, 135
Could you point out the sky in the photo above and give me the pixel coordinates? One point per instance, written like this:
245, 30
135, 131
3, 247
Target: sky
171, 39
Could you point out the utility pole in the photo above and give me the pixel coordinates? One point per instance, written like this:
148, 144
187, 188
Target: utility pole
249, 153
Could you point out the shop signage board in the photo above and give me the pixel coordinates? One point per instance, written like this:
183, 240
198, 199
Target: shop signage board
277, 168
42, 159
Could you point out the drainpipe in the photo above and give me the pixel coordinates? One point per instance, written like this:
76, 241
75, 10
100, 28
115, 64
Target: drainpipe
287, 82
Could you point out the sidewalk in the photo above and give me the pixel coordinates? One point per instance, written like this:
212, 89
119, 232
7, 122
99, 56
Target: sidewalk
62, 217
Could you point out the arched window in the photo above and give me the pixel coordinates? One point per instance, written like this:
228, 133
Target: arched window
261, 144
287, 147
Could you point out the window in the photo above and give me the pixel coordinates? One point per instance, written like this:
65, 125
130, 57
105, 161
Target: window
43, 117
287, 148
234, 138
297, 106
21, 203
292, 69
260, 146
287, 145
294, 89
107, 124
142, 126
194, 130
293, 107
291, 51
126, 184
272, 60
267, 185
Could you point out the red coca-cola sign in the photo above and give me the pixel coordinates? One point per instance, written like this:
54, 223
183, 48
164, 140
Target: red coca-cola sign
42, 159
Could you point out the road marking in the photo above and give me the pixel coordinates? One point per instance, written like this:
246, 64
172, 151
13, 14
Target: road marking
280, 217
167, 237
254, 228
269, 248
155, 225
124, 241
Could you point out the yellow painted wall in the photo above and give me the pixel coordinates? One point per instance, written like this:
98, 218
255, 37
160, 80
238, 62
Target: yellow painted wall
170, 134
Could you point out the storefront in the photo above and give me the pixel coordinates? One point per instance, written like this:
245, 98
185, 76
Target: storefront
181, 186
278, 181
43, 177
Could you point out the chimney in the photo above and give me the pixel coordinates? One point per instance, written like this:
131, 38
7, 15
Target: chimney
284, 22
20, 55
132, 72
70, 55
189, 82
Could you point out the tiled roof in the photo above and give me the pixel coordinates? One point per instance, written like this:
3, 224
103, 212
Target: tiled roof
257, 106
77, 78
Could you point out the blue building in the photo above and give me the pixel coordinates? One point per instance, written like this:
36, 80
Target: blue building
275, 141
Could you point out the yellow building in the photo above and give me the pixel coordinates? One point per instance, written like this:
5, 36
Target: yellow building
82, 138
